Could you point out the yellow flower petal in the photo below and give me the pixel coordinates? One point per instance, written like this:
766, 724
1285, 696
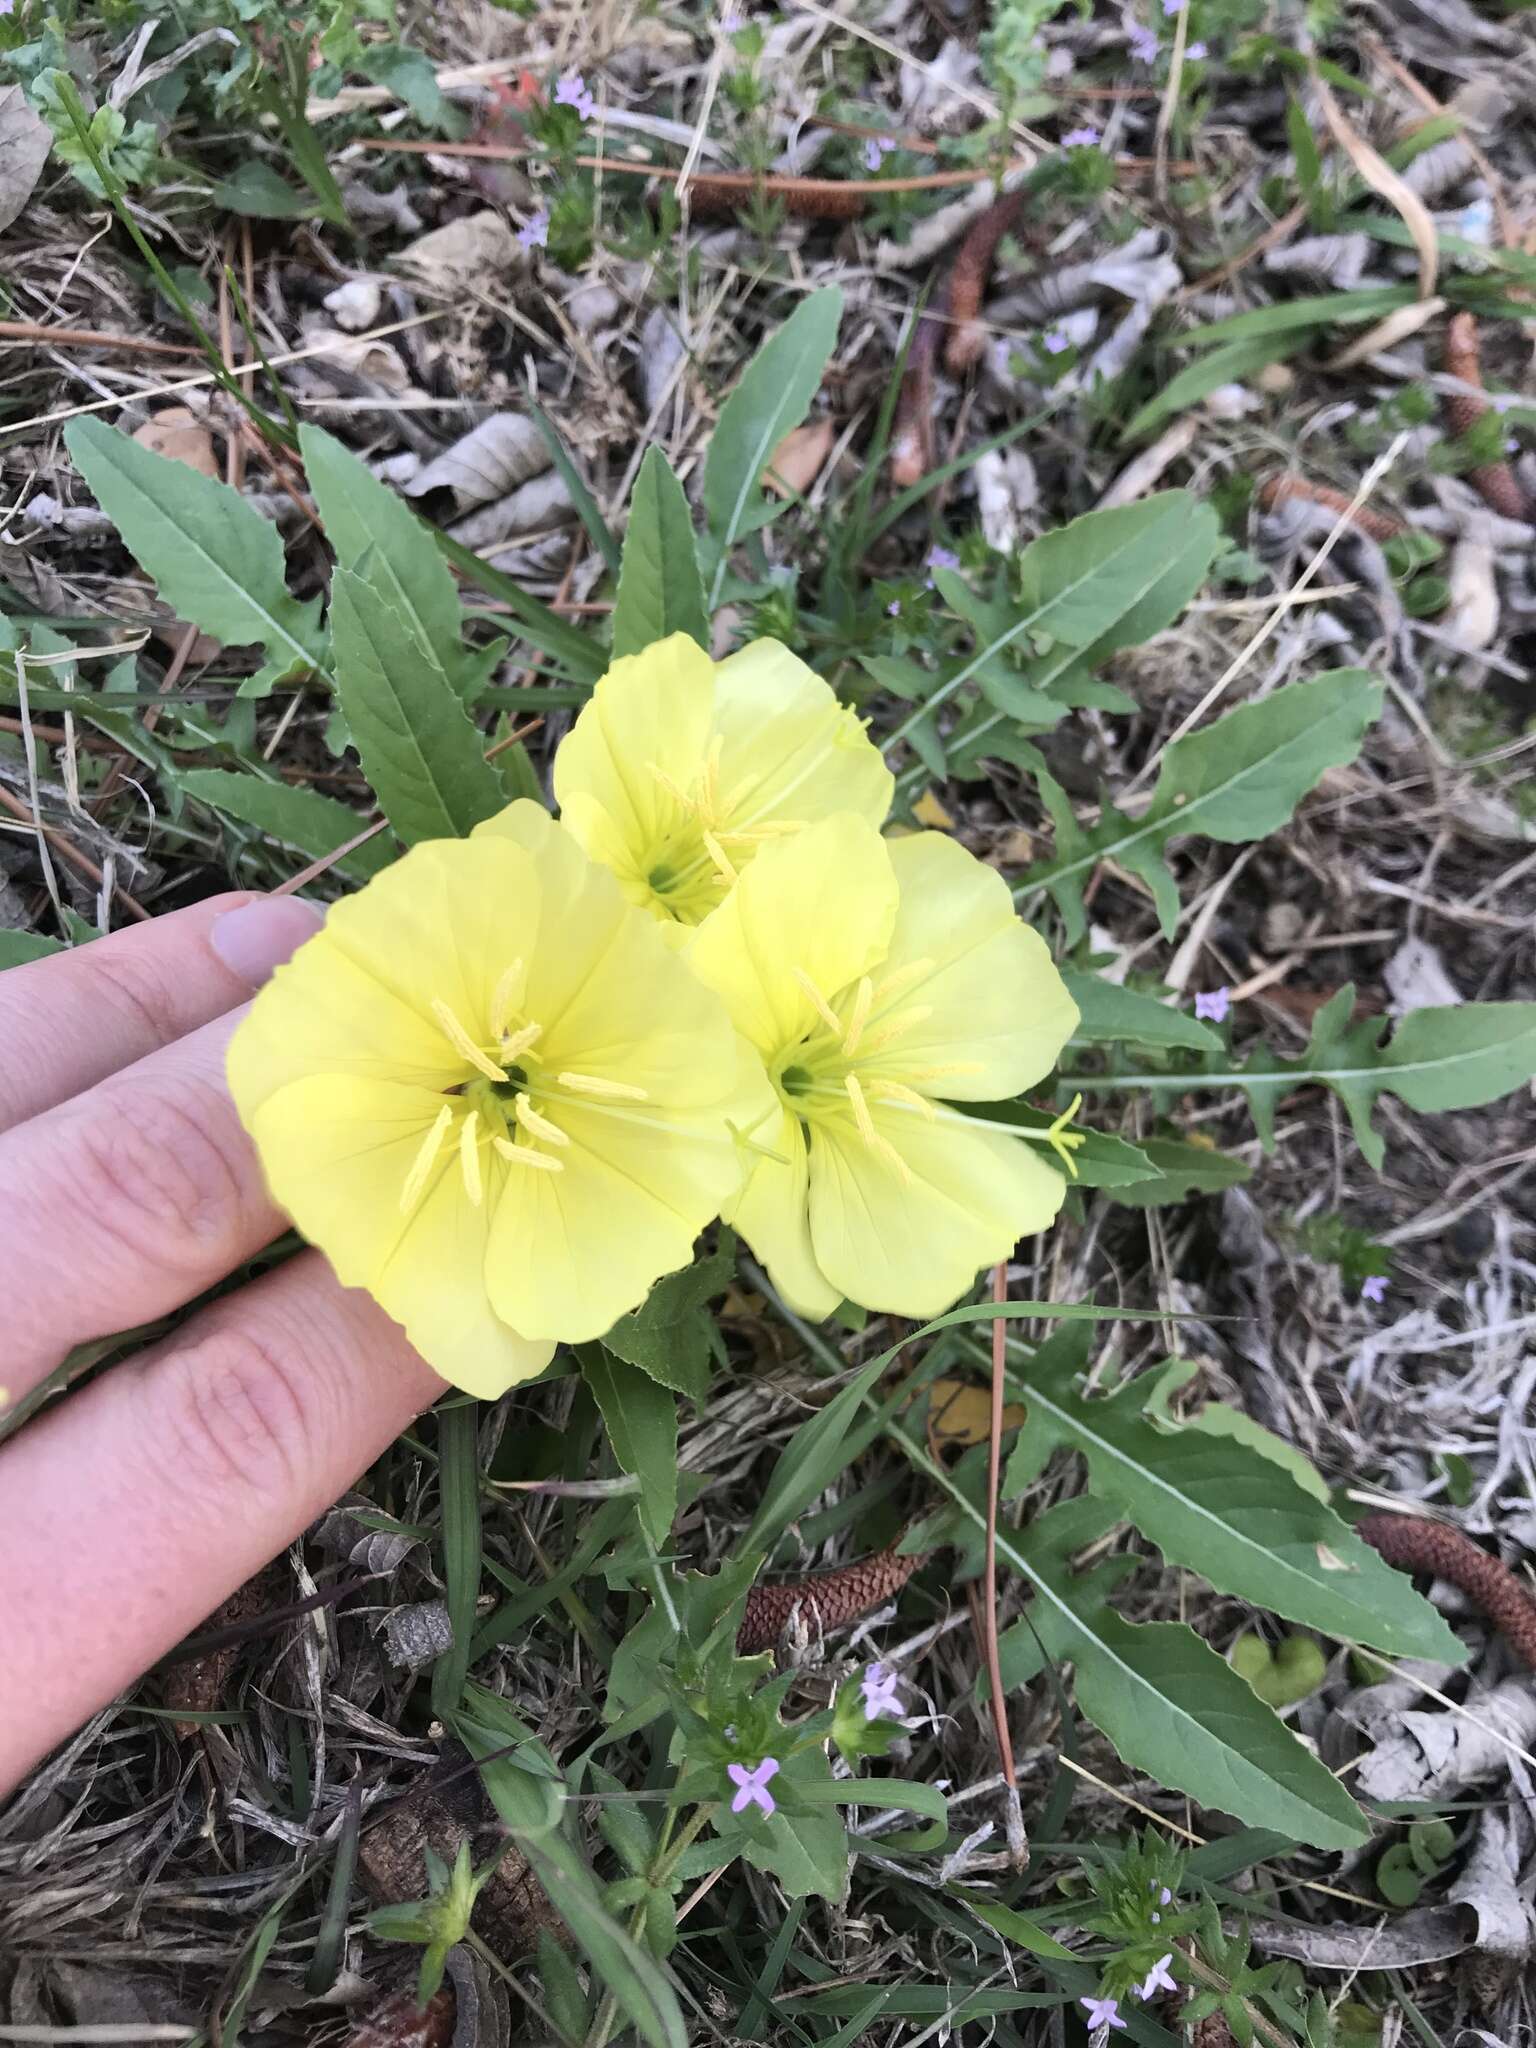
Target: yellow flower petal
640, 739
337, 1149
988, 1014
772, 1214
814, 908
911, 1244
791, 750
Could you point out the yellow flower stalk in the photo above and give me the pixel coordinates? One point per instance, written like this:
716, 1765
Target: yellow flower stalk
680, 769
883, 983
494, 1097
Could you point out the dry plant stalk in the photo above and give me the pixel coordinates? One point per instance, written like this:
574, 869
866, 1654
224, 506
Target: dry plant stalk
1494, 482
828, 1600
1381, 526
1414, 1543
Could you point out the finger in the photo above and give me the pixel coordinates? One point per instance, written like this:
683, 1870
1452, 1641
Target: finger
124, 1203
70, 1020
128, 1513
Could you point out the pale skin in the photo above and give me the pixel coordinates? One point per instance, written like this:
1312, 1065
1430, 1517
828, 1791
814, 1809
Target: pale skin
130, 1509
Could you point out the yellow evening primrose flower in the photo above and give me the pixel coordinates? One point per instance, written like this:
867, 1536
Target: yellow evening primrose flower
882, 983
493, 1096
680, 769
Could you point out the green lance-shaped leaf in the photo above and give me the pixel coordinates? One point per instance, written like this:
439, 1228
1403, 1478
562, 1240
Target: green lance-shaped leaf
1179, 1170
1168, 1703
1458, 1057
641, 1419
419, 747
17, 948
1215, 1505
301, 818
660, 591
773, 395
365, 520
1233, 781
215, 561
1110, 1015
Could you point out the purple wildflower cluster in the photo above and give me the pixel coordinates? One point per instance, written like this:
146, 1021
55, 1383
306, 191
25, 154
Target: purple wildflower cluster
1104, 2013
571, 91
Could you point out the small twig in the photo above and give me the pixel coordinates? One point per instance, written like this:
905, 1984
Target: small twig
1415, 1543
70, 852
91, 337
1380, 526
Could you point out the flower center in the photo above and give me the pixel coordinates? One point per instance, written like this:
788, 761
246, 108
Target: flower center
497, 1102
704, 842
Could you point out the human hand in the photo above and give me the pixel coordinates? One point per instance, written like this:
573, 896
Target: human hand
127, 1188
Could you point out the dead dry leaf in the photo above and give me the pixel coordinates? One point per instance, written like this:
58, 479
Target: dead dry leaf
24, 145
182, 437
1380, 176
1397, 326
464, 256
486, 463
797, 461
960, 1413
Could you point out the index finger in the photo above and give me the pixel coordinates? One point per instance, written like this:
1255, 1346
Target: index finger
70, 1020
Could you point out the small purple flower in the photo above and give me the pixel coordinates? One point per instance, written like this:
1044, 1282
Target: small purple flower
1173, 6
1144, 45
1212, 1005
940, 558
753, 1785
1080, 138
1164, 1896
893, 607
1055, 341
1197, 53
534, 233
732, 20
1374, 1288
571, 91
876, 149
1102, 2012
7, 6
880, 1688
1159, 1978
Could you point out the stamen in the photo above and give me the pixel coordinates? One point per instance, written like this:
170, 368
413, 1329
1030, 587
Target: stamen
421, 1165
1064, 1142
893, 984
858, 1017
824, 1009
880, 1146
677, 795
463, 1044
897, 1091
716, 853
540, 1126
747, 1143
712, 776
469, 1157
502, 1003
524, 1155
520, 1041
594, 1084
919, 1013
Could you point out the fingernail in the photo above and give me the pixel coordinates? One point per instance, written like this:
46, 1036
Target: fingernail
260, 936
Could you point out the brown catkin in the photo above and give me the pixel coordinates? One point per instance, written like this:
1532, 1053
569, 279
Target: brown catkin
806, 198
1494, 482
1379, 525
1415, 1544
826, 1600
968, 281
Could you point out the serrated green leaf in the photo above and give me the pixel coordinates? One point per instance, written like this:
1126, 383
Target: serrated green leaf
1216, 1506
660, 591
1458, 1057
1110, 1015
301, 818
668, 1337
804, 1846
214, 561
419, 748
1178, 1171
364, 518
641, 1420
772, 396
17, 948
1233, 781
1168, 1703
255, 190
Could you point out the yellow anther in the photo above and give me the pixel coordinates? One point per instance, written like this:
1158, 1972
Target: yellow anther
903, 977
514, 1047
918, 1013
463, 1044
469, 1157
861, 1115
897, 1091
858, 1016
717, 854
677, 795
504, 998
524, 1155
540, 1126
421, 1165
824, 1009
595, 1084
1064, 1142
